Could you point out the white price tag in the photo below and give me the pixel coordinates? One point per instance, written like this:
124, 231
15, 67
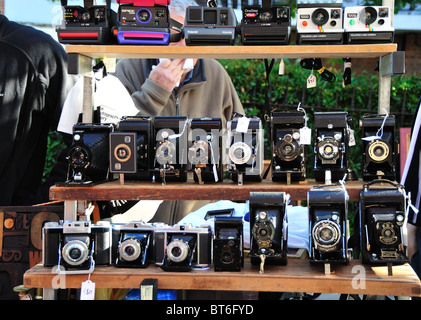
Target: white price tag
311, 81
305, 136
351, 138
87, 291
243, 124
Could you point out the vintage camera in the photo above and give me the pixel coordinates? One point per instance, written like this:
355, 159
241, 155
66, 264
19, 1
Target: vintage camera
380, 153
88, 156
170, 163
228, 244
133, 244
288, 154
244, 143
331, 146
268, 227
204, 153
130, 147
328, 224
366, 24
319, 22
210, 26
145, 22
266, 24
76, 246
182, 247
90, 24
382, 211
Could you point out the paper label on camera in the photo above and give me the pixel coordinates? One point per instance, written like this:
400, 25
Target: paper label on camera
311, 81
87, 291
351, 138
243, 124
305, 136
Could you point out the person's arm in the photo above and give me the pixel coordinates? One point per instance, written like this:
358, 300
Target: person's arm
412, 240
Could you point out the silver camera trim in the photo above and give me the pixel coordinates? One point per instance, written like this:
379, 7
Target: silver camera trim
126, 243
182, 245
73, 244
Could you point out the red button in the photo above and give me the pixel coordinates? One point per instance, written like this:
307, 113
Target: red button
304, 24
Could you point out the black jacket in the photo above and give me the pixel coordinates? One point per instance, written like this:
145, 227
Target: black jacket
33, 75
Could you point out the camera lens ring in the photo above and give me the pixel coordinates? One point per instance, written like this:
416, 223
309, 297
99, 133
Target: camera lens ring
328, 149
266, 16
326, 235
79, 156
320, 16
199, 152
240, 152
75, 246
120, 157
368, 15
143, 16
126, 246
287, 149
388, 234
378, 150
165, 152
177, 250
227, 255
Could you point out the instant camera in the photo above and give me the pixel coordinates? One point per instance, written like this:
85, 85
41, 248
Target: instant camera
90, 24
368, 24
319, 22
266, 24
210, 26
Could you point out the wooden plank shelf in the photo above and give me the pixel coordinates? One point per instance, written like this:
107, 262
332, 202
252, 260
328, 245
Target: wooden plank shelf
298, 276
234, 52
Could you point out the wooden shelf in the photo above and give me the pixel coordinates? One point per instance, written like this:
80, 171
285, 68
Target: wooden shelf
298, 276
234, 52
226, 190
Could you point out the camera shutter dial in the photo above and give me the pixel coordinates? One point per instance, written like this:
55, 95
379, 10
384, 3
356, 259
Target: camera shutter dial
320, 16
328, 149
165, 152
177, 250
378, 150
326, 235
130, 250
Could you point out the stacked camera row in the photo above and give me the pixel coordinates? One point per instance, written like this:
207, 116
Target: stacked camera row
148, 22
77, 247
169, 148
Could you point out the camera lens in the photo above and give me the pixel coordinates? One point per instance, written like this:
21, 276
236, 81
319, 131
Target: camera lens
320, 16
122, 153
326, 235
227, 255
177, 250
388, 234
75, 252
165, 152
144, 16
78, 157
378, 150
369, 15
86, 16
130, 249
240, 153
266, 16
198, 153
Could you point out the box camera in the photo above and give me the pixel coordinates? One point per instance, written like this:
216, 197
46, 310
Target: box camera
244, 142
133, 244
130, 148
266, 24
88, 155
288, 156
210, 26
382, 211
268, 227
170, 161
328, 224
182, 247
380, 153
368, 24
143, 22
331, 145
228, 244
88, 24
319, 23
76, 246
204, 151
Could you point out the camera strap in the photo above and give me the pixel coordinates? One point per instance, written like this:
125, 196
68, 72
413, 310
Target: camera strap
177, 27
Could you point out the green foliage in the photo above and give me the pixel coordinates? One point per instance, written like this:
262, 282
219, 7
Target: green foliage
54, 145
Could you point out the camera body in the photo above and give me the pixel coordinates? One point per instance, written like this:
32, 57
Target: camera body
228, 244
204, 151
331, 145
268, 227
244, 149
381, 154
266, 24
382, 213
76, 246
288, 154
368, 24
88, 156
328, 224
130, 147
319, 22
133, 244
182, 247
170, 163
210, 26
143, 22
87, 25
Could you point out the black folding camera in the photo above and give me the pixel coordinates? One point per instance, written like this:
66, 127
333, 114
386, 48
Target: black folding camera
130, 147
133, 244
244, 142
88, 156
268, 227
328, 224
331, 145
88, 24
145, 22
204, 153
210, 26
170, 161
380, 147
382, 215
228, 244
76, 246
266, 24
288, 153
182, 247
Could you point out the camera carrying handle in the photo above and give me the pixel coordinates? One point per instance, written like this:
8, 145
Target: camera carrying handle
376, 181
